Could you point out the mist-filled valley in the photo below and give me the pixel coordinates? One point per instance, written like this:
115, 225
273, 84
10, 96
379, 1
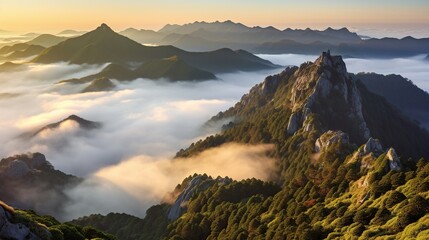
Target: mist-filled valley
129, 160
214, 130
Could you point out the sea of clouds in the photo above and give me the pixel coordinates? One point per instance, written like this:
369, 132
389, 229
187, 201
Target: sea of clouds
128, 163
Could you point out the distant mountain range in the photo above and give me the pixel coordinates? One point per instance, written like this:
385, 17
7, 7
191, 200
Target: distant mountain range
203, 36
19, 51
47, 40
171, 69
71, 32
91, 48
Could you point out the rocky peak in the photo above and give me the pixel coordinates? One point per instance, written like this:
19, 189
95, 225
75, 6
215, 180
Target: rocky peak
324, 87
20, 165
103, 28
372, 146
394, 162
271, 83
196, 184
335, 62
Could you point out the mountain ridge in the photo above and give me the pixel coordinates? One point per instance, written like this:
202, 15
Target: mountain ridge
90, 48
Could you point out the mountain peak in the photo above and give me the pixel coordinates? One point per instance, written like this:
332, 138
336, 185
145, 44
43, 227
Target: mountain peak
328, 60
104, 27
325, 88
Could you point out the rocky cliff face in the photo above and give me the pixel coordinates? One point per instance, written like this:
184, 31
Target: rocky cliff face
13, 231
324, 87
195, 185
21, 165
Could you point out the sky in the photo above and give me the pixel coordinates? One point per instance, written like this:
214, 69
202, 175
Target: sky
363, 15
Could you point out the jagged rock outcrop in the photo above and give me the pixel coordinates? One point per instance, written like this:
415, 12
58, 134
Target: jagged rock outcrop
394, 162
372, 146
196, 184
13, 231
20, 165
329, 138
321, 83
29, 181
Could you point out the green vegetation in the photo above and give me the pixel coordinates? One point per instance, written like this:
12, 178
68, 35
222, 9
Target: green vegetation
350, 188
47, 226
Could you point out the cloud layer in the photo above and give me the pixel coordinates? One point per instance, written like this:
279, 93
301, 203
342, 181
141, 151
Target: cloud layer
128, 162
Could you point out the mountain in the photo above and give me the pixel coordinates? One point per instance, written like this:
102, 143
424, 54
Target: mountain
143, 36
205, 36
378, 48
99, 84
91, 48
10, 66
127, 227
190, 43
29, 181
173, 69
354, 111
82, 123
19, 51
227, 26
26, 224
71, 32
350, 165
229, 31
47, 40
30, 51
16, 47
400, 92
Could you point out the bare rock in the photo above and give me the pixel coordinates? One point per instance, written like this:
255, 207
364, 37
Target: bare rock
394, 163
372, 146
14, 231
329, 138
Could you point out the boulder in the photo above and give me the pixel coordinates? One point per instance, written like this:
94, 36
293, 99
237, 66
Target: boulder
14, 231
329, 138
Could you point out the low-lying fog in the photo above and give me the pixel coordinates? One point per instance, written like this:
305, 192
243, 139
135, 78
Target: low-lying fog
127, 163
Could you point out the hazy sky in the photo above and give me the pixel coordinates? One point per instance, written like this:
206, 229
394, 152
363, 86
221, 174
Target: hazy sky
51, 15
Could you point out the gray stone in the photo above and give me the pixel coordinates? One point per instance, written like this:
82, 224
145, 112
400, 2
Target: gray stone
14, 231
328, 138
372, 146
294, 123
394, 163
